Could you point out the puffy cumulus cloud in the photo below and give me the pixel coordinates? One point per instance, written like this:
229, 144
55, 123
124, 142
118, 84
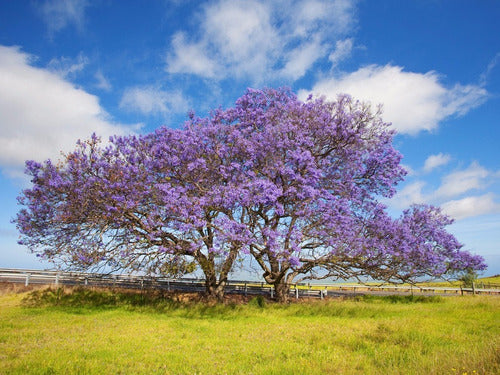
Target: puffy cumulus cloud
451, 194
57, 14
42, 114
241, 32
236, 35
460, 182
190, 58
471, 206
435, 161
259, 40
411, 193
411, 101
152, 100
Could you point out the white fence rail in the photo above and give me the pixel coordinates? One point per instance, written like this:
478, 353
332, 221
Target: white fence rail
60, 278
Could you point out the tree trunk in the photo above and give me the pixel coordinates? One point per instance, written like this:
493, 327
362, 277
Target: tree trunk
213, 289
215, 292
282, 291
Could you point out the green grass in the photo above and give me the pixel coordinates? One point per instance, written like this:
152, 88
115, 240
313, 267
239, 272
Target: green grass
101, 332
457, 284
492, 279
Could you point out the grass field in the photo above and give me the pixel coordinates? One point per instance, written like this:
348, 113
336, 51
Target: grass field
482, 281
86, 331
492, 279
457, 284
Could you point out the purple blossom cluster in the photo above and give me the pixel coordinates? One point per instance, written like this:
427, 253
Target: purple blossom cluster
293, 184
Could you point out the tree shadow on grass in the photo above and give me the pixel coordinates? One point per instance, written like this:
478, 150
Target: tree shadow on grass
82, 300
87, 300
98, 299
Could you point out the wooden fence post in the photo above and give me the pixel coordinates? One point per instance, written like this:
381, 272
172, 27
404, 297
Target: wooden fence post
296, 292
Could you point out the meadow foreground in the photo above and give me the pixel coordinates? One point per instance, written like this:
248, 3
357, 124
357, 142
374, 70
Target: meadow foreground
87, 331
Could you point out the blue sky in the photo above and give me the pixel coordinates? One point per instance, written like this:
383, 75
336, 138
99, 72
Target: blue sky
71, 68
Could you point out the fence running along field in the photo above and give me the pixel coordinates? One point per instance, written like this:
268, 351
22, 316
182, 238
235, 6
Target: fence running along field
242, 287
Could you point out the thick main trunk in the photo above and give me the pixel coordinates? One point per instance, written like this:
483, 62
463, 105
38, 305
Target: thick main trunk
213, 289
282, 291
281, 282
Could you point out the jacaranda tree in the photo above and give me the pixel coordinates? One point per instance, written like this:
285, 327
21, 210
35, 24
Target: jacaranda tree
295, 185
311, 176
155, 204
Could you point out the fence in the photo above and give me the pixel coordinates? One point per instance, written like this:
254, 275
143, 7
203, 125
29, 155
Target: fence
59, 278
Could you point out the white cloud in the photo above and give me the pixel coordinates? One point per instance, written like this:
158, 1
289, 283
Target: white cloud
189, 58
259, 40
408, 195
301, 59
460, 182
409, 170
449, 195
58, 14
483, 79
310, 16
102, 82
471, 206
461, 99
242, 34
151, 100
343, 49
237, 36
434, 161
411, 101
42, 113
66, 66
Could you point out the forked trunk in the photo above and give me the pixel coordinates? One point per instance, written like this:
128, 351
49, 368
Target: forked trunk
213, 289
282, 291
215, 292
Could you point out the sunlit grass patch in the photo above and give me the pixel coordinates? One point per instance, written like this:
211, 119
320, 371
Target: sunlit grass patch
97, 331
402, 298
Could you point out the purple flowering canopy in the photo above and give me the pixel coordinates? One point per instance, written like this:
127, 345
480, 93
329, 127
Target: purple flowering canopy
294, 185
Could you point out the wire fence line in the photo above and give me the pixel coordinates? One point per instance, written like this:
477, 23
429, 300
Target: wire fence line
242, 287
